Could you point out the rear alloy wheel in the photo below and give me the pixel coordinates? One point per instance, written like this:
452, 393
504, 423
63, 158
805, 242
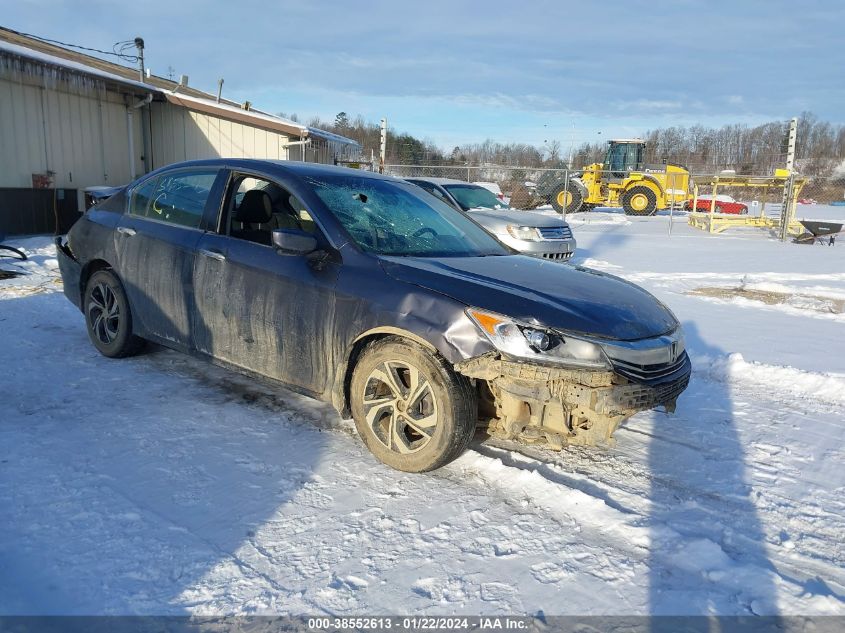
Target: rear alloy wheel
639, 201
566, 196
411, 409
108, 317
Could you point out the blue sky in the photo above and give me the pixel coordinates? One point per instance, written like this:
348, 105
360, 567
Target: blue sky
457, 72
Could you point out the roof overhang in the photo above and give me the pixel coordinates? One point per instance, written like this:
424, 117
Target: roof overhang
230, 113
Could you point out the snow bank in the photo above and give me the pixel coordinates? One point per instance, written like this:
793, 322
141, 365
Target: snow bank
822, 387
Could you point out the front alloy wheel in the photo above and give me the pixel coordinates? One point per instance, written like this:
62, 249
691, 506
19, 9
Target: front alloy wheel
399, 407
411, 409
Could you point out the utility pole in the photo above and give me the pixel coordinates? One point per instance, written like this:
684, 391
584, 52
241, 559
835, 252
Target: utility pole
383, 149
139, 44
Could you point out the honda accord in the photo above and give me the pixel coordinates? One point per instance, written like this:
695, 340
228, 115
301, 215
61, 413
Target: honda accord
367, 292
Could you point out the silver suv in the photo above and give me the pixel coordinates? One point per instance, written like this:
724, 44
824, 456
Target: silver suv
528, 233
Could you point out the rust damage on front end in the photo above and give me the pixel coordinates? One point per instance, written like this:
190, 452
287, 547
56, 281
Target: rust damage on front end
540, 404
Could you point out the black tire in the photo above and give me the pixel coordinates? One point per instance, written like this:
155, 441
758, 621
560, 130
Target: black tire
639, 201
107, 316
558, 196
412, 436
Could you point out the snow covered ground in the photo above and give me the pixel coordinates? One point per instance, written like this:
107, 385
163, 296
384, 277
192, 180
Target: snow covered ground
160, 484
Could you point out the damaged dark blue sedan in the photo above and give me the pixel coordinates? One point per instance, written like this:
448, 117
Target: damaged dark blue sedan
365, 291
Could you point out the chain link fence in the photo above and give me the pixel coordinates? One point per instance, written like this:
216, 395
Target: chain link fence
765, 195
568, 191
823, 191
711, 202
518, 185
565, 191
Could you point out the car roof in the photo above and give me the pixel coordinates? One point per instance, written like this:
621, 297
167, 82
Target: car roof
440, 181
280, 167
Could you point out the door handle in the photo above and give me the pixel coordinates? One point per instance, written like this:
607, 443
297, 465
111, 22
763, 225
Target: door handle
220, 257
126, 230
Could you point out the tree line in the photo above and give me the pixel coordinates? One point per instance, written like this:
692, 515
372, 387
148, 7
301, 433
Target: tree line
819, 149
756, 150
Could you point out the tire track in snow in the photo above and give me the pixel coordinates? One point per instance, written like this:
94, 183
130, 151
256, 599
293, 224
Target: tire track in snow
500, 466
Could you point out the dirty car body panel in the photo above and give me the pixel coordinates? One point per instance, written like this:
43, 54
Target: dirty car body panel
230, 295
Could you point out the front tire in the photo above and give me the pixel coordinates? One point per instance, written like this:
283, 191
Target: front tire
411, 409
639, 201
107, 316
566, 196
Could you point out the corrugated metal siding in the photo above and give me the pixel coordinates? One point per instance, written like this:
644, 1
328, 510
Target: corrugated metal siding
76, 127
21, 135
181, 134
82, 138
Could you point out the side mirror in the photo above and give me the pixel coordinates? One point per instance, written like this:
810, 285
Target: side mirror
293, 242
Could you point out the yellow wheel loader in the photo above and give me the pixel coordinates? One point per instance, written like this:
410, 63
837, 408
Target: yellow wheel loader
622, 180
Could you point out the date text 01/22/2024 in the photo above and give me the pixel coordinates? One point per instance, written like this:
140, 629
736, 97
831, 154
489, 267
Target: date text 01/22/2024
418, 623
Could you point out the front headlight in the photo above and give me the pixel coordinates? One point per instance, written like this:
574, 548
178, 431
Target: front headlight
537, 343
527, 233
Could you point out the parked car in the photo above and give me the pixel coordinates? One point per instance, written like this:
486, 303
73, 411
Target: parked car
364, 291
97, 193
724, 204
531, 234
493, 188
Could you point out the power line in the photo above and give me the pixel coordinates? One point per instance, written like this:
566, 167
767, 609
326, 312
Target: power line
121, 54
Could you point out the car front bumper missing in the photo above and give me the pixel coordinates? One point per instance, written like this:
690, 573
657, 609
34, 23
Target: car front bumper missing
541, 404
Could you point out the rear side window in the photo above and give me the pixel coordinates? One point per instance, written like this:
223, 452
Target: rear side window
141, 197
177, 198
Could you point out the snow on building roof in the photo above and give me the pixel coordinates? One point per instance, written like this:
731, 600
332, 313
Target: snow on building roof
331, 136
170, 91
61, 62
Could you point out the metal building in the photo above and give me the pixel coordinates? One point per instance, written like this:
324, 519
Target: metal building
70, 121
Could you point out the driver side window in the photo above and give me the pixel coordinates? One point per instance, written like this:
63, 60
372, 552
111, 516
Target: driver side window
258, 206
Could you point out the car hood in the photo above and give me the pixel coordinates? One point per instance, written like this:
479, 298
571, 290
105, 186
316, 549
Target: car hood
536, 291
491, 217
